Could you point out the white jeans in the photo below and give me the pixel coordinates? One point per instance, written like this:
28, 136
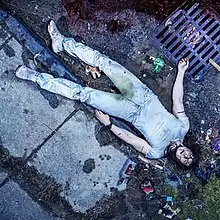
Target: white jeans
133, 92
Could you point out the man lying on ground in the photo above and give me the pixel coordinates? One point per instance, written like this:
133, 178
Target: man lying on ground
164, 132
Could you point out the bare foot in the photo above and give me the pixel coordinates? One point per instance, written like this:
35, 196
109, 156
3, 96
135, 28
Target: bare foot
94, 71
183, 65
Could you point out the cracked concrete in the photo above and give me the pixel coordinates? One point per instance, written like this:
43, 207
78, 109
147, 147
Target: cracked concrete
24, 109
48, 150
73, 158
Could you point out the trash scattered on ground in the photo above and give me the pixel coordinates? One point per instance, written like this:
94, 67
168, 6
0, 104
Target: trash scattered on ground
201, 175
168, 200
188, 175
153, 163
157, 63
214, 64
167, 208
216, 145
211, 134
147, 188
173, 180
202, 122
94, 71
143, 62
197, 203
205, 175
127, 171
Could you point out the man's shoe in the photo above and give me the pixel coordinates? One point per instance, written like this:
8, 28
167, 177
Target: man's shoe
56, 37
23, 72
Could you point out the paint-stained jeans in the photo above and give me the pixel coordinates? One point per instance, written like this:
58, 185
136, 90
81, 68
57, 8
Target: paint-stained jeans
133, 92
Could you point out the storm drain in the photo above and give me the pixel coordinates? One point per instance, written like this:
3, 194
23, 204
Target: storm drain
192, 32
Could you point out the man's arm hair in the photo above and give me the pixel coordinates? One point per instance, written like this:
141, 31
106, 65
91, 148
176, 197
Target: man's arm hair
138, 143
177, 96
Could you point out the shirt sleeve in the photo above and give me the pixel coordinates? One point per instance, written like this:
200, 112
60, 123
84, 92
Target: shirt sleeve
184, 127
150, 154
154, 154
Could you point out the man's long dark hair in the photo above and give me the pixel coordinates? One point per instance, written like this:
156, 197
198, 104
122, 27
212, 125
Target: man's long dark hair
194, 147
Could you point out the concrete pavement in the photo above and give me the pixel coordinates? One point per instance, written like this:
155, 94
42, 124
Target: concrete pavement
47, 135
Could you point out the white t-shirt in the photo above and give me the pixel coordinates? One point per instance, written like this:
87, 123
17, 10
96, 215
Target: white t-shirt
159, 127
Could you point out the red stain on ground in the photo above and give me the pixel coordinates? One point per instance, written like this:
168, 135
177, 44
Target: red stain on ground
159, 8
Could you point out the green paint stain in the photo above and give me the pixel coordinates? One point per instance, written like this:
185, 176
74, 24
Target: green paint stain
125, 86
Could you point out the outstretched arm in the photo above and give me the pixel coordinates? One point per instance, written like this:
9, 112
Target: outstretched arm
139, 144
178, 107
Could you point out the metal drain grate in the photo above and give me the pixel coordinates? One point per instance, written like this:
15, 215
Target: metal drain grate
191, 32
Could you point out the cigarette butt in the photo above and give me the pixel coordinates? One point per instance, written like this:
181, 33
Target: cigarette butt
93, 75
158, 166
143, 159
143, 62
98, 74
213, 63
152, 163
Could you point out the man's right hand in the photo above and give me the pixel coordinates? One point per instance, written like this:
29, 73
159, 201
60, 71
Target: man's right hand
183, 65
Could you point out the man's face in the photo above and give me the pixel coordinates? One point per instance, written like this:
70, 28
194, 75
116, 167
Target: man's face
183, 154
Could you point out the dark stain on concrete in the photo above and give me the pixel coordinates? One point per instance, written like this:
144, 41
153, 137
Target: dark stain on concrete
100, 132
52, 98
89, 165
67, 186
1, 142
26, 111
101, 157
107, 157
9, 50
26, 56
95, 183
3, 34
8, 75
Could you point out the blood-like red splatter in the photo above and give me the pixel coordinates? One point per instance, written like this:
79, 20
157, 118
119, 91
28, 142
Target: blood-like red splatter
158, 8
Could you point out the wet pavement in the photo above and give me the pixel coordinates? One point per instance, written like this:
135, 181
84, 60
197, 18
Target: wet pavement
56, 154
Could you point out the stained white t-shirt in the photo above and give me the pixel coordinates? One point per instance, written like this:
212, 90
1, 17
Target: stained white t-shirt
159, 127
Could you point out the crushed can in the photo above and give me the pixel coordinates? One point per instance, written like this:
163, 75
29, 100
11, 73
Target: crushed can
127, 170
147, 188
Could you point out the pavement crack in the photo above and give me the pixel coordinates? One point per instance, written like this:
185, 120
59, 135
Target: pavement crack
5, 42
21, 163
34, 152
